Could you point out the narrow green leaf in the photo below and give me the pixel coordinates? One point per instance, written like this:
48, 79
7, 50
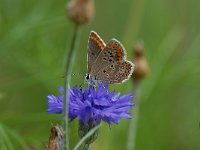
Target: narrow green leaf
86, 136
6, 138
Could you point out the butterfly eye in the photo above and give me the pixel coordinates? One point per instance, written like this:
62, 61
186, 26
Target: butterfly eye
87, 76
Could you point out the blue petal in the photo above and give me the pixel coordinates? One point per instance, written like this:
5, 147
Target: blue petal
92, 104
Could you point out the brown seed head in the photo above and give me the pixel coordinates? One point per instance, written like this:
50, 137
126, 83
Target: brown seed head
141, 65
80, 11
56, 138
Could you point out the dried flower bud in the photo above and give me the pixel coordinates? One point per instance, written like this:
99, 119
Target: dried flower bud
56, 139
141, 65
81, 11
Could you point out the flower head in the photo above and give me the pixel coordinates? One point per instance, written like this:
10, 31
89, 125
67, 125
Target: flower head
141, 63
80, 11
93, 105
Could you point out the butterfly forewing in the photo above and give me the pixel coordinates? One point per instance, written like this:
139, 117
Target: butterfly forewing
95, 46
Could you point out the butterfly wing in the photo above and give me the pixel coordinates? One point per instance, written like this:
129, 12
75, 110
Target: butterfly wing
95, 46
116, 72
113, 52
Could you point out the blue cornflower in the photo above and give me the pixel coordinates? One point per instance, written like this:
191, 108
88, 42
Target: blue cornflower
55, 103
92, 104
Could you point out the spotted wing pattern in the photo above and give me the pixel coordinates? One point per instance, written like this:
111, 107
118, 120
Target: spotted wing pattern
113, 52
95, 46
117, 72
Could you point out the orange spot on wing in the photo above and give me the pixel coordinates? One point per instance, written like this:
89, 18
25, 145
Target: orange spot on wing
95, 39
119, 54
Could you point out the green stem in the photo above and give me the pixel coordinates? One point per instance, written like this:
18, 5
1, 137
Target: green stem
86, 146
67, 78
133, 23
131, 141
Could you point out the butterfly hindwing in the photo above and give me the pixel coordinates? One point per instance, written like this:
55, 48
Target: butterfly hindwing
113, 52
116, 72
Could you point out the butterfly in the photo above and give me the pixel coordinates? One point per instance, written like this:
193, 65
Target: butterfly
107, 63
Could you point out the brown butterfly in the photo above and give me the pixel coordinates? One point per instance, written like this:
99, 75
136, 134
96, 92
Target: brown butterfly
107, 62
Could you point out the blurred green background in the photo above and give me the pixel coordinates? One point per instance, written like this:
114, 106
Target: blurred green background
34, 36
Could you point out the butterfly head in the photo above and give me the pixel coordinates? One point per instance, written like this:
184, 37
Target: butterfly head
91, 80
87, 77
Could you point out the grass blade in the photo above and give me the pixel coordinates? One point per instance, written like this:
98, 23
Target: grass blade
86, 136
